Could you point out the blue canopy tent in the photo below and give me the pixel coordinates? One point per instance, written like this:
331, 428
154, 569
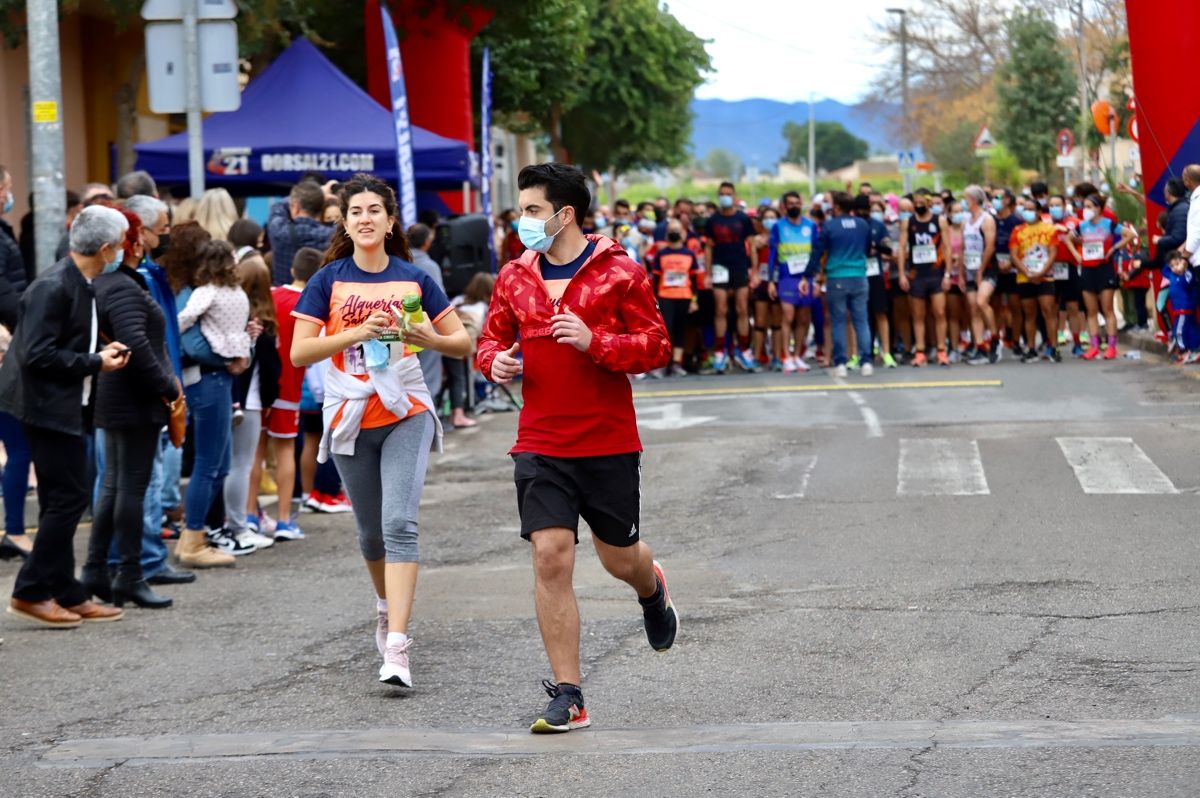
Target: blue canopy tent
302, 114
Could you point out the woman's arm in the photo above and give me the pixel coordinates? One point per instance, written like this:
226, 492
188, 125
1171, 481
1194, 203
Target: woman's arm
309, 346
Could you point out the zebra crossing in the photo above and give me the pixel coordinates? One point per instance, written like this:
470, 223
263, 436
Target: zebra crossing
955, 467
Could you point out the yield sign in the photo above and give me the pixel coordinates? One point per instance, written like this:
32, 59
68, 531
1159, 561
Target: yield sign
983, 139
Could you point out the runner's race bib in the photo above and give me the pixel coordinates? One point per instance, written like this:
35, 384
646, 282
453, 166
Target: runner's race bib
1035, 260
1062, 271
764, 271
973, 261
720, 275
872, 267
797, 264
675, 279
1005, 262
1093, 250
924, 254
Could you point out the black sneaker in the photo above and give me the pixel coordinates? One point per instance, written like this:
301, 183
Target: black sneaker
565, 711
1055, 355
662, 621
223, 540
1031, 356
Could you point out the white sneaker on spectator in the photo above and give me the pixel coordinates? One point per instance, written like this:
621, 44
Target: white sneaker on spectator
801, 365
867, 369
252, 538
840, 371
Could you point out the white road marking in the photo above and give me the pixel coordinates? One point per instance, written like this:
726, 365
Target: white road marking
940, 467
1114, 466
671, 417
804, 466
870, 417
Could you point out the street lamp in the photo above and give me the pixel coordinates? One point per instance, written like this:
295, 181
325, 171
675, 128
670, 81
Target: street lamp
904, 130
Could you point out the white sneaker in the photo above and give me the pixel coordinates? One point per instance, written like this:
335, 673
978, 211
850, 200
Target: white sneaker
252, 538
840, 371
867, 369
395, 665
801, 366
789, 365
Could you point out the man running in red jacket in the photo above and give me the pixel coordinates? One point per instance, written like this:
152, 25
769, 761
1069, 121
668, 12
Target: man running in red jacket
583, 315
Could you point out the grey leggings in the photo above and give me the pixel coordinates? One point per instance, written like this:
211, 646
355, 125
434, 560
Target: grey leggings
237, 484
384, 479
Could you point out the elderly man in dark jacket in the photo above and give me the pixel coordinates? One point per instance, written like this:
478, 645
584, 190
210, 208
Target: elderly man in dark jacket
296, 224
47, 382
1175, 233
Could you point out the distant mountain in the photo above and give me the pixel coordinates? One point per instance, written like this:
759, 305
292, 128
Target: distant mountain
753, 129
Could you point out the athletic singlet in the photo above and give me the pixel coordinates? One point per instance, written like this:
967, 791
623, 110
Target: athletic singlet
791, 248
973, 245
925, 244
1097, 238
764, 259
1004, 228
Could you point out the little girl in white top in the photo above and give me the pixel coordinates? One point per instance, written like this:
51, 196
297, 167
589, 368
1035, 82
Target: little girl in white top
218, 302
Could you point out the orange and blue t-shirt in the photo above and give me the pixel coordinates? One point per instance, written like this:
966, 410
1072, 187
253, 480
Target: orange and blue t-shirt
341, 296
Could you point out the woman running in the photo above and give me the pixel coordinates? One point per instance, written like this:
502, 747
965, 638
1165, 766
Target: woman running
380, 421
1093, 246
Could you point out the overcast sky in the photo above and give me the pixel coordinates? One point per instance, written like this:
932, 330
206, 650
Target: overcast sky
783, 49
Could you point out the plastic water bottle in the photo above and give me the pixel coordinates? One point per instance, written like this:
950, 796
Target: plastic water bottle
411, 303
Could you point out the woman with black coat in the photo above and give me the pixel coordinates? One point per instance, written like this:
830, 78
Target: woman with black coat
131, 410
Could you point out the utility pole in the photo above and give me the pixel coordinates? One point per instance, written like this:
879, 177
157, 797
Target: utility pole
1084, 113
812, 148
45, 94
905, 128
191, 50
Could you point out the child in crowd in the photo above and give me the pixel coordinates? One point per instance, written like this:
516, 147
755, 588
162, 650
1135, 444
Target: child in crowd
1184, 293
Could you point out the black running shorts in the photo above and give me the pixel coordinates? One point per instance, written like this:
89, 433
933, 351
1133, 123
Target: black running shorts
1094, 279
926, 284
1008, 283
1035, 290
557, 491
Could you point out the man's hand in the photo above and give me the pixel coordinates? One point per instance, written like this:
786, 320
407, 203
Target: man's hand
805, 290
903, 281
772, 292
238, 365
254, 329
114, 356
570, 329
505, 366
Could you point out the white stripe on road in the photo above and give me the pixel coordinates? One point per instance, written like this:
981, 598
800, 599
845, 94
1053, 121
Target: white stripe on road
940, 467
803, 470
870, 417
1114, 466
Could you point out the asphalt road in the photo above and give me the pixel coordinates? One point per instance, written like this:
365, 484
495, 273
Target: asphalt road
960, 582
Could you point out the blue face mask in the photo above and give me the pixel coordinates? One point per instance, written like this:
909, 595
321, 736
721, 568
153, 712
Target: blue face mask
725, 201
1029, 216
514, 225
1056, 213
958, 218
905, 216
8, 203
115, 263
938, 209
769, 223
533, 233
998, 204
877, 216
376, 354
601, 222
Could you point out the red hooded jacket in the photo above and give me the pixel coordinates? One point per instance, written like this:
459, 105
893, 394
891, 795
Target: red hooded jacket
577, 404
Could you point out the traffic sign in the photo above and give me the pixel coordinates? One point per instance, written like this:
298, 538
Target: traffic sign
166, 68
1065, 161
906, 160
983, 139
1065, 141
165, 10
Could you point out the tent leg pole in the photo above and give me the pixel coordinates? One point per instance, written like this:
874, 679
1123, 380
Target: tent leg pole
466, 202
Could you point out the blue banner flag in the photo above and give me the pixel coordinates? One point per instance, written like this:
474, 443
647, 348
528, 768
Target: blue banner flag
485, 143
404, 155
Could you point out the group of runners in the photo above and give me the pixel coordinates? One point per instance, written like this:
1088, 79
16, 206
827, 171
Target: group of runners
969, 278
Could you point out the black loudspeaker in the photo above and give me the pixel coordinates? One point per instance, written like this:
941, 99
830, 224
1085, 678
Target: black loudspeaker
464, 243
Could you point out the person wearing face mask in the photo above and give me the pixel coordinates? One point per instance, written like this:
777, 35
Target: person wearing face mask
13, 273
768, 317
925, 247
1033, 246
729, 264
583, 316
957, 315
1009, 314
1066, 275
898, 296
676, 273
877, 299
982, 275
131, 410
790, 250
1093, 245
47, 382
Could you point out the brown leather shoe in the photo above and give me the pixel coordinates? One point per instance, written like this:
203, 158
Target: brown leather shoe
90, 611
47, 613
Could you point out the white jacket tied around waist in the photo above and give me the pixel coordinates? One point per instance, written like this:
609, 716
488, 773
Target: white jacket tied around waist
394, 385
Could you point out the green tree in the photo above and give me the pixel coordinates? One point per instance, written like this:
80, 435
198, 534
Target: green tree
834, 146
1003, 168
1035, 90
953, 153
722, 163
643, 66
